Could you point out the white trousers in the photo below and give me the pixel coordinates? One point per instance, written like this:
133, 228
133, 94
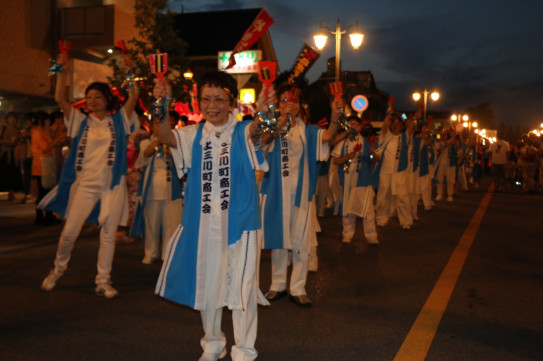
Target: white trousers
384, 202
335, 186
323, 194
368, 222
83, 202
156, 219
298, 277
244, 320
463, 182
245, 329
445, 174
426, 192
414, 204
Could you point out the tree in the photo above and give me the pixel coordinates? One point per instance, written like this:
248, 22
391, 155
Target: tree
503, 131
483, 114
155, 35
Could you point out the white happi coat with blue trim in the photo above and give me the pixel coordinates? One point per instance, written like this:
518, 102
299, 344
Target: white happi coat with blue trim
113, 196
399, 181
174, 190
357, 184
208, 221
286, 215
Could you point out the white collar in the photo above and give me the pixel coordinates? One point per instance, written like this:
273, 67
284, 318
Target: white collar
223, 132
103, 122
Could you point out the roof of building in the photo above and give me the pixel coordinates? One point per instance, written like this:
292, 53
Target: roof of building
207, 33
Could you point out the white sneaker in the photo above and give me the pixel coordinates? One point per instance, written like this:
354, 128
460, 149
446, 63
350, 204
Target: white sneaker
449, 199
106, 290
438, 198
373, 241
206, 356
51, 280
148, 260
346, 240
406, 226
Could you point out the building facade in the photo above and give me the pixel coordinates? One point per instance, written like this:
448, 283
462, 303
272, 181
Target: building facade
30, 31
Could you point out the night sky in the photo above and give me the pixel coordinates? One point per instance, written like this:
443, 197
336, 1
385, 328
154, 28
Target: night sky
471, 51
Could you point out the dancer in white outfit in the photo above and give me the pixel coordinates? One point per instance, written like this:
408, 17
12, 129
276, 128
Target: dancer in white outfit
287, 193
392, 170
445, 166
160, 201
212, 258
92, 185
425, 171
354, 159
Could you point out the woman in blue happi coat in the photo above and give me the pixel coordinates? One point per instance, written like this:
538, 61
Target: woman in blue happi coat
92, 185
160, 198
287, 193
356, 171
211, 260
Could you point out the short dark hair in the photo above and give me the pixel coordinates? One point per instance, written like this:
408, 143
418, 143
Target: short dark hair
354, 117
57, 114
397, 116
40, 118
287, 87
175, 115
112, 101
219, 79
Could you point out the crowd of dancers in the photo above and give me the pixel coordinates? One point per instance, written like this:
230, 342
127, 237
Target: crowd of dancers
211, 196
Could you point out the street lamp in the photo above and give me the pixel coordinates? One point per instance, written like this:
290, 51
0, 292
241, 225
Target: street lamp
472, 125
458, 118
434, 96
188, 74
356, 40
193, 91
461, 119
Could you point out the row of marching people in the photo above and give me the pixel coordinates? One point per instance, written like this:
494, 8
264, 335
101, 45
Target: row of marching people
376, 176
212, 258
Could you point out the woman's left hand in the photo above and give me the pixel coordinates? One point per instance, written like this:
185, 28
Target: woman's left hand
162, 89
337, 105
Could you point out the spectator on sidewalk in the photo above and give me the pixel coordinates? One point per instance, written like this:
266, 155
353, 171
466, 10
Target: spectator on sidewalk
528, 161
499, 152
10, 135
43, 163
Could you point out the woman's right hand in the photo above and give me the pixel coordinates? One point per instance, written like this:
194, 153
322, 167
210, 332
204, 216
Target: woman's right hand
264, 99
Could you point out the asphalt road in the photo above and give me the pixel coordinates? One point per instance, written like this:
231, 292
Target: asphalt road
368, 301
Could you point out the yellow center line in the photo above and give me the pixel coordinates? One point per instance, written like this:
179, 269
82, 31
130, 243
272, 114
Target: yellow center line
417, 343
